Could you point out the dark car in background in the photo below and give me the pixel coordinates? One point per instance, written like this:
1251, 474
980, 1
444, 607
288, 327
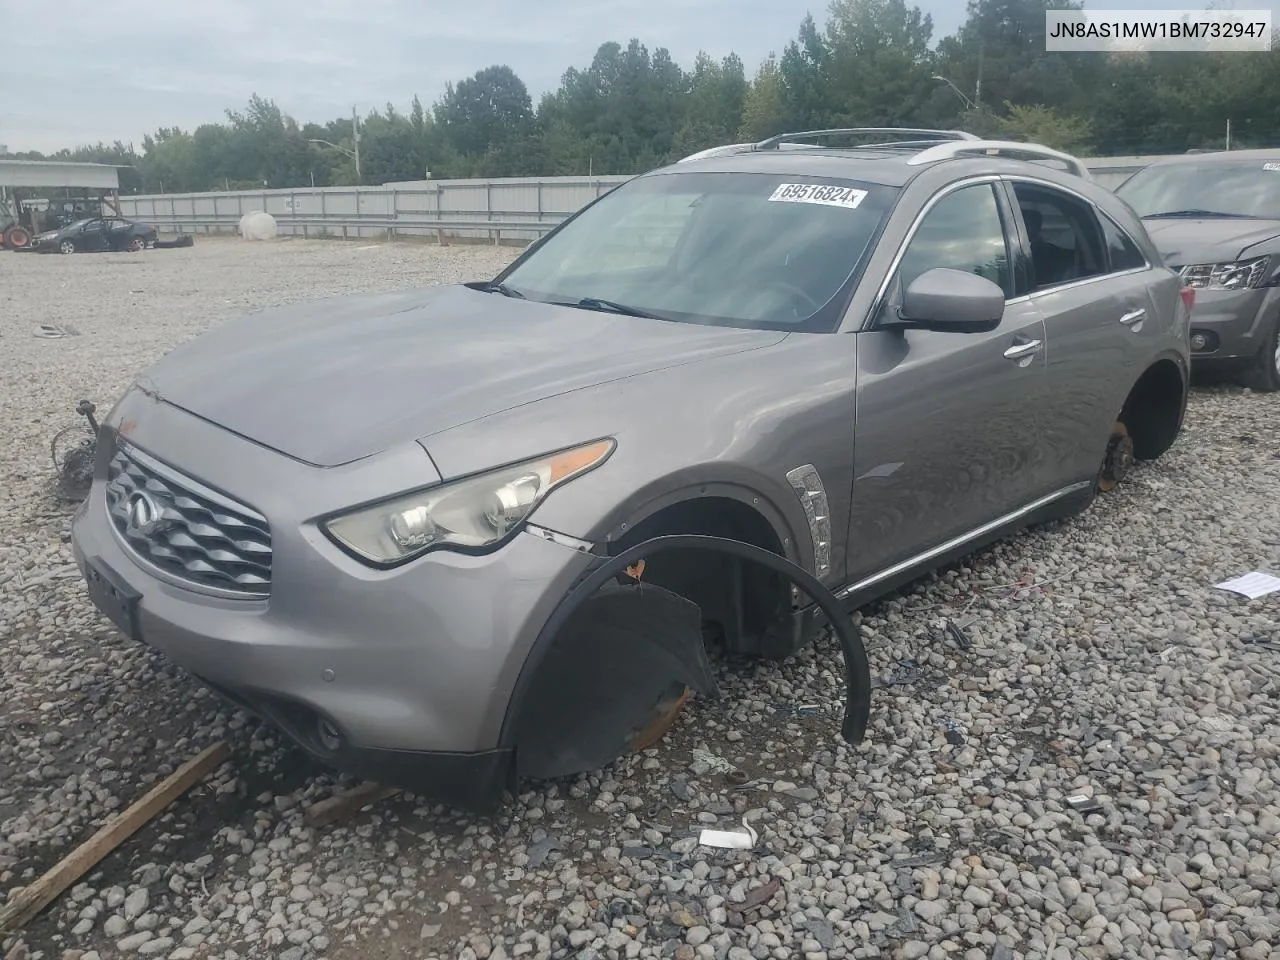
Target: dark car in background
1215, 218
94, 235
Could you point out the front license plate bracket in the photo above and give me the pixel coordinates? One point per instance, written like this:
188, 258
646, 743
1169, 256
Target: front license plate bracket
111, 595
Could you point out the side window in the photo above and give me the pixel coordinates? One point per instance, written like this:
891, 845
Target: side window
1067, 243
1124, 253
963, 231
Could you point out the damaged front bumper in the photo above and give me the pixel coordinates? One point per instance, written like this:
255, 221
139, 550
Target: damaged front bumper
431, 675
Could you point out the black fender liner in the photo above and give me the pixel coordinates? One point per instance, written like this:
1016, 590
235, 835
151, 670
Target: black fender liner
857, 670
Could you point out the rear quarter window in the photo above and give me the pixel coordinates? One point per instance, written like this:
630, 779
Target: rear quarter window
1123, 252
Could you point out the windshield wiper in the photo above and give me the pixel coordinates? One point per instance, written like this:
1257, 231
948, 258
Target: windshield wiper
610, 306
503, 289
1191, 214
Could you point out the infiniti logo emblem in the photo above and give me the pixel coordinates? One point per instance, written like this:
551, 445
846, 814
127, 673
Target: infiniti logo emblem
144, 517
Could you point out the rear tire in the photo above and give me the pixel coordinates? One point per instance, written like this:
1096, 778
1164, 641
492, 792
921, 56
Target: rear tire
17, 238
1264, 373
137, 245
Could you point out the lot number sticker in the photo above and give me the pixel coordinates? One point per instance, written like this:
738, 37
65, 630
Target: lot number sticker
825, 194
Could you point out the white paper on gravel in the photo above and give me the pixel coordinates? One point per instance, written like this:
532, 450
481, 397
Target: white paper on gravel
1251, 585
729, 839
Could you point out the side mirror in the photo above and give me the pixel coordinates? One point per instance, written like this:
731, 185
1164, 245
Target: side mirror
950, 301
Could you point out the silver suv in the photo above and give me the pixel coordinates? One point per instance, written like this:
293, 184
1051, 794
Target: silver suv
359, 517
1215, 218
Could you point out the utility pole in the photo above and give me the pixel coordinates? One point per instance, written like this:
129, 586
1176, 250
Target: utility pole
355, 139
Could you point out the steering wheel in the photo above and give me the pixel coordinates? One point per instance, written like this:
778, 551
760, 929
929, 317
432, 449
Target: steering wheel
797, 294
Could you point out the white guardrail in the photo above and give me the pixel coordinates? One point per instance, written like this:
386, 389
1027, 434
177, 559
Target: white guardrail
516, 210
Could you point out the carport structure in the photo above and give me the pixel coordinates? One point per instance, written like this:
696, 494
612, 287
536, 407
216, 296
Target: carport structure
101, 177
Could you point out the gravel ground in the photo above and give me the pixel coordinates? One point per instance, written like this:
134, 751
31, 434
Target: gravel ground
1100, 662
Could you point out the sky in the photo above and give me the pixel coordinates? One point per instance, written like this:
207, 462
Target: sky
81, 71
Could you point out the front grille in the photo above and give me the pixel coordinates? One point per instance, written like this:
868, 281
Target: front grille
186, 530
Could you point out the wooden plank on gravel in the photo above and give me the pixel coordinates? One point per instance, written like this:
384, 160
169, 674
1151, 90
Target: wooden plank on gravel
344, 804
119, 828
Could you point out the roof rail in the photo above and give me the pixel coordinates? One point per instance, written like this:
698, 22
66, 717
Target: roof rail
1007, 148
719, 151
920, 133
923, 138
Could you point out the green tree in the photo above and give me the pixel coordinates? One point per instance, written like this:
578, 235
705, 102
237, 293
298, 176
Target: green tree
713, 106
764, 107
1046, 125
877, 62
482, 111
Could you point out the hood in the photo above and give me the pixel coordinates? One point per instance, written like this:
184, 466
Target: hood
1221, 240
332, 381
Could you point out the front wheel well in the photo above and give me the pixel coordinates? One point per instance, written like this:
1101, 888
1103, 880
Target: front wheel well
1153, 411
748, 606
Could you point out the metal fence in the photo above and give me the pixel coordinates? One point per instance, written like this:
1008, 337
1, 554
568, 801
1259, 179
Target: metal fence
514, 209
517, 210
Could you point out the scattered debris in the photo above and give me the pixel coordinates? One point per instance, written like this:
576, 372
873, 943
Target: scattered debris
55, 331
339, 806
955, 732
181, 240
539, 850
729, 839
43, 891
907, 674
1083, 804
74, 449
957, 633
755, 899
1251, 585
923, 860
711, 761
907, 923
810, 709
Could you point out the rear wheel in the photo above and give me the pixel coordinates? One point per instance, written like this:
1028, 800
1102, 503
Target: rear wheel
1264, 373
137, 244
67, 246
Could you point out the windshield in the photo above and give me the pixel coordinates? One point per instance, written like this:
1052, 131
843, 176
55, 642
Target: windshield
1231, 189
736, 249
79, 224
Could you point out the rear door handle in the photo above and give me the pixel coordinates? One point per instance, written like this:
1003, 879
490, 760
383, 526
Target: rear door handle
1133, 319
1023, 351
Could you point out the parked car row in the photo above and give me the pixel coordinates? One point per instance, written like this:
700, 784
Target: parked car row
868, 360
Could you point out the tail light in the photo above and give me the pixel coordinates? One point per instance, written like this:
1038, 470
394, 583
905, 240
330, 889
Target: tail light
1188, 295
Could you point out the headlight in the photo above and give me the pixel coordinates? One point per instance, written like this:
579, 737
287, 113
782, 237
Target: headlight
471, 514
1238, 275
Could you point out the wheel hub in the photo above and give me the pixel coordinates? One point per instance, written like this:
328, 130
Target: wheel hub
1119, 459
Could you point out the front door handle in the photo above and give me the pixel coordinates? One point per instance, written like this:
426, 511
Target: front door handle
1133, 319
1023, 351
